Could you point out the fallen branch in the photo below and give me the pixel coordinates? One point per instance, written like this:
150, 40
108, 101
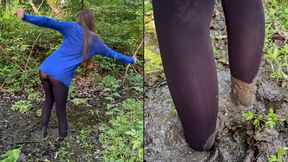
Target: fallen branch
127, 67
24, 142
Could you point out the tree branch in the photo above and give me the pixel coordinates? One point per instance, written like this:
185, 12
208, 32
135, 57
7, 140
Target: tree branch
127, 67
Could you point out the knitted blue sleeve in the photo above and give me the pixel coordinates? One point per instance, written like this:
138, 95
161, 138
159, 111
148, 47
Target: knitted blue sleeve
47, 22
108, 52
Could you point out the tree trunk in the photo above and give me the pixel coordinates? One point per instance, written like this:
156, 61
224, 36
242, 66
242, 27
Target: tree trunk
82, 4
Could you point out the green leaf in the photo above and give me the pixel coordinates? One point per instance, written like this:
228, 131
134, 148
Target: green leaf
248, 115
11, 155
272, 158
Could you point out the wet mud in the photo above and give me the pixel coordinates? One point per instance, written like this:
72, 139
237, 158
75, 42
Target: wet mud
164, 139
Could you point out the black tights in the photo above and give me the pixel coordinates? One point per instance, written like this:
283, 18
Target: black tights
57, 92
183, 33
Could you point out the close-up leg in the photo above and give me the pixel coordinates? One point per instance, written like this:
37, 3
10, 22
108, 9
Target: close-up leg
184, 39
246, 30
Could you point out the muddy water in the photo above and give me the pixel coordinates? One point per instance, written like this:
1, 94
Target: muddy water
164, 139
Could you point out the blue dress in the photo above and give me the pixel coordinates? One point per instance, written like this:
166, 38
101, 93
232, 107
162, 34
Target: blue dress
62, 63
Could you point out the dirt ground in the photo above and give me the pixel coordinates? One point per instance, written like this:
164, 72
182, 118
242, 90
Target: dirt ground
164, 139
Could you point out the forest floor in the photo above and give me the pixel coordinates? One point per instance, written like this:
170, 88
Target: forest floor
235, 139
89, 122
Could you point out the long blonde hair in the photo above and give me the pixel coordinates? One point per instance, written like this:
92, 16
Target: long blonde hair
86, 19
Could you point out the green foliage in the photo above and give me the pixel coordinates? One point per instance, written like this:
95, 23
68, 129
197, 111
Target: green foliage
17, 65
135, 80
260, 121
22, 106
276, 23
82, 147
109, 82
11, 155
279, 155
109, 85
248, 115
111, 17
278, 60
71, 91
120, 138
94, 112
123, 132
272, 119
93, 74
33, 95
79, 101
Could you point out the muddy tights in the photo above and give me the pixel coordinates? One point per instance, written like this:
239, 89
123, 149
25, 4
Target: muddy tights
57, 92
183, 33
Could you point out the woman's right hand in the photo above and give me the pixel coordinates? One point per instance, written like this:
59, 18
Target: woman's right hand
135, 59
20, 13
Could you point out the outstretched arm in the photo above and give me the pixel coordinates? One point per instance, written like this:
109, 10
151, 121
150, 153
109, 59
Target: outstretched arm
44, 21
108, 52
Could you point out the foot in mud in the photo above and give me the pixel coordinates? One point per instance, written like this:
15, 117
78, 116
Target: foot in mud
210, 142
21, 158
243, 93
39, 135
44, 132
62, 135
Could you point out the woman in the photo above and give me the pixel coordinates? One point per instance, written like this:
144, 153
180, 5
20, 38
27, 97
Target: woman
80, 43
183, 33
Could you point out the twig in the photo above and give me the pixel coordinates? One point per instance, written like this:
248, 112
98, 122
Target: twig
31, 51
135, 69
24, 142
127, 67
53, 8
5, 52
33, 6
4, 83
40, 4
